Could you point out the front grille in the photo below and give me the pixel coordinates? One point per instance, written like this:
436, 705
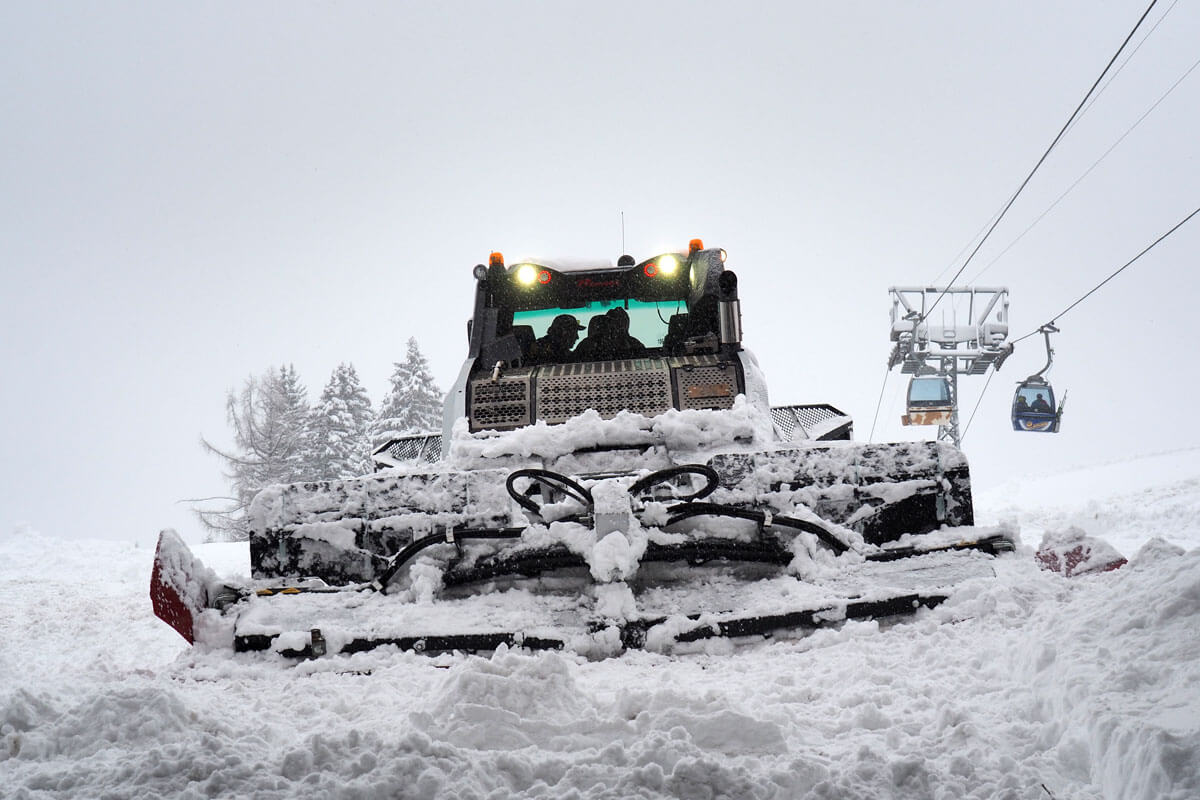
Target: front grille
708, 387
641, 385
500, 404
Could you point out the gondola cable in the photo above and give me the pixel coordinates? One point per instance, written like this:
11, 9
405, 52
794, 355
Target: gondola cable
878, 403
1000, 216
1042, 160
1086, 172
1085, 110
1124, 267
1089, 293
967, 427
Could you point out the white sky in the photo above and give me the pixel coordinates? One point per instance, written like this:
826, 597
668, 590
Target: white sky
190, 194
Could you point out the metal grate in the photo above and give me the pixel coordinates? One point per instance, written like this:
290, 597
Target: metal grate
432, 451
785, 422
406, 449
707, 387
794, 422
425, 448
500, 404
641, 385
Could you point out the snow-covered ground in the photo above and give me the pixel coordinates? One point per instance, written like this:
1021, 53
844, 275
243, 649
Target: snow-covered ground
1030, 686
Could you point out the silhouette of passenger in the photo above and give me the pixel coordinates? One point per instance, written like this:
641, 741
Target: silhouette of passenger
597, 343
559, 339
1022, 404
701, 321
1040, 405
623, 345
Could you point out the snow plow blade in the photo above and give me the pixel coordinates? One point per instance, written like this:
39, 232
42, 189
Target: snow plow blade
179, 585
679, 598
677, 607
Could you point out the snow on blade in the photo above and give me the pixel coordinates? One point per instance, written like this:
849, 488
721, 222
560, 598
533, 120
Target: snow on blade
179, 585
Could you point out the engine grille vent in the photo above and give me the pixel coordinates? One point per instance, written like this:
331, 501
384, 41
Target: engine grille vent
707, 387
641, 385
500, 404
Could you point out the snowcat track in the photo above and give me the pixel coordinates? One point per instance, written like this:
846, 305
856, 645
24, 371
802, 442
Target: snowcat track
633, 633
431, 645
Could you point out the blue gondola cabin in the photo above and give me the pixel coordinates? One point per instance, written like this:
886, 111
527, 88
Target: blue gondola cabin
1033, 408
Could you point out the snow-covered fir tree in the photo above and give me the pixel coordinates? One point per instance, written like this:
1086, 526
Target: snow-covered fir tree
414, 402
301, 465
339, 427
269, 418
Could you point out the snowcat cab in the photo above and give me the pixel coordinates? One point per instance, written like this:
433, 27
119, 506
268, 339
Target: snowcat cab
610, 475
666, 330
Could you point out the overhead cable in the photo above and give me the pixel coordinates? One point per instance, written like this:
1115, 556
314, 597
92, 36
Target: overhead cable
1125, 63
1125, 266
1082, 113
1088, 171
879, 403
982, 392
1046, 154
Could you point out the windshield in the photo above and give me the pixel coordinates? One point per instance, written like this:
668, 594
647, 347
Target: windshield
929, 390
1035, 398
596, 330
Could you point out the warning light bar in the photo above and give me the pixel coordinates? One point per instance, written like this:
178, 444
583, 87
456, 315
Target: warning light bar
529, 274
664, 264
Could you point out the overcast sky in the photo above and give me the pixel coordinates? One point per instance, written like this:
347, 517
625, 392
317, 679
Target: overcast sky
191, 193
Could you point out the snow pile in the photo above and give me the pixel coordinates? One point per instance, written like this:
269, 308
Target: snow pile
1025, 685
1073, 552
680, 432
1124, 502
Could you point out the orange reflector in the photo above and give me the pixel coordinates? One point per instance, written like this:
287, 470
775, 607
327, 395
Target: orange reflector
651, 269
496, 258
543, 277
694, 245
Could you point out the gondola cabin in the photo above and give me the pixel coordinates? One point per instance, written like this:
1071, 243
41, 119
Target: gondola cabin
930, 401
1033, 407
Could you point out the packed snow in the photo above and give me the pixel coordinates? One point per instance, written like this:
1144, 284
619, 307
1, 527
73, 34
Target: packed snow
1031, 685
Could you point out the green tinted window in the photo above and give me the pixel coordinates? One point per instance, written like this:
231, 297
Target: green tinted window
647, 321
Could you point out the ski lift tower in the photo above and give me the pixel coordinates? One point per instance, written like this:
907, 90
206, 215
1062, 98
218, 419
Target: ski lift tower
965, 333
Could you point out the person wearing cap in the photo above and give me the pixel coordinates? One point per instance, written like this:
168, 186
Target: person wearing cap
559, 339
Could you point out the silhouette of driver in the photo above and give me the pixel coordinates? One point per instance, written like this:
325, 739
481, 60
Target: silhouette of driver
559, 339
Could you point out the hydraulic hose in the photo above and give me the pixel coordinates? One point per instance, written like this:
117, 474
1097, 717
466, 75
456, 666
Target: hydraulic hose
410, 551
688, 510
554, 480
663, 475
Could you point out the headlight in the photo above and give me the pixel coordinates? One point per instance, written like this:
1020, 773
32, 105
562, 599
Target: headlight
527, 274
